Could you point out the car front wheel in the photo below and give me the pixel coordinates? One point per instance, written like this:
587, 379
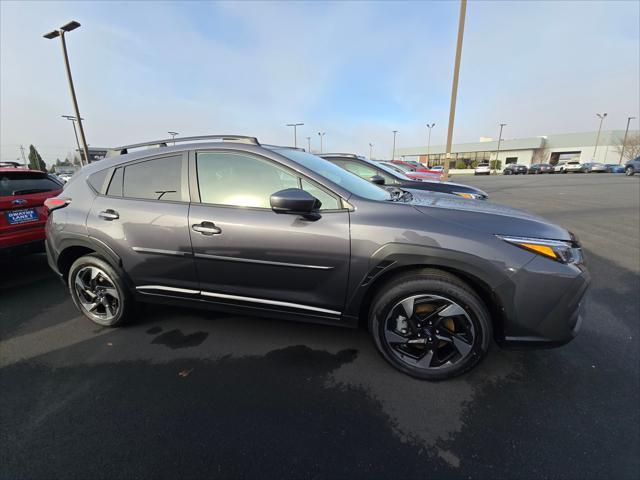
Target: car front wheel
430, 325
99, 292
629, 171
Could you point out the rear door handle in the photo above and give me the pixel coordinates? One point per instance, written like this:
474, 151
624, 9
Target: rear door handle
206, 228
109, 215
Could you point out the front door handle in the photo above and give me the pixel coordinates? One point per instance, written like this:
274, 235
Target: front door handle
206, 228
109, 214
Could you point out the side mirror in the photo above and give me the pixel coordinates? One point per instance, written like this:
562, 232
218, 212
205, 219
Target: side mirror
377, 179
294, 201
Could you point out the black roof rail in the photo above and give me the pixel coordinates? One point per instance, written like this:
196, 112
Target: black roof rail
163, 143
348, 155
11, 164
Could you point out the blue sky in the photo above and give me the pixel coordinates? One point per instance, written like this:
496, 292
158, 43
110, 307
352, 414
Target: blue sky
356, 70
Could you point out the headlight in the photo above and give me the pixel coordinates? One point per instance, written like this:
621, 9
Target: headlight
560, 251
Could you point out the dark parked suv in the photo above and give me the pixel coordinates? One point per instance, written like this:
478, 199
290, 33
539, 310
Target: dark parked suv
237, 226
384, 174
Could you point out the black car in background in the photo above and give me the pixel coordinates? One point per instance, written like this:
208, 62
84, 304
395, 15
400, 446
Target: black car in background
515, 169
381, 174
538, 168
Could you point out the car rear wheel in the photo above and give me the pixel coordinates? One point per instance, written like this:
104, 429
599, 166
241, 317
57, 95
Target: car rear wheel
430, 325
99, 292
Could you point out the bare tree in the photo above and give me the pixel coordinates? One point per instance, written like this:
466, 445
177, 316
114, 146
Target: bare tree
631, 147
541, 154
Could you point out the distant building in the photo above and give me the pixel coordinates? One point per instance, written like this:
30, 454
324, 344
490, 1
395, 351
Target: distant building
95, 154
524, 151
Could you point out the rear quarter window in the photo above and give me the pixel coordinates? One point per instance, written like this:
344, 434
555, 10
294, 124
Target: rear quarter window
24, 183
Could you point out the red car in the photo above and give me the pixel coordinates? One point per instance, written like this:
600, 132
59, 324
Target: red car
415, 173
22, 210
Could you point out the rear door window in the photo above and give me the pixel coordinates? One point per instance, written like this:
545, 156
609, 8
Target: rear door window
24, 183
157, 179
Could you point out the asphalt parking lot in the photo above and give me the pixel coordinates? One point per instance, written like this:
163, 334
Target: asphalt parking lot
187, 393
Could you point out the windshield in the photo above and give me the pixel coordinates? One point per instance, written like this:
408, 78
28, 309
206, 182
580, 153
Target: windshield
404, 168
389, 169
337, 175
23, 183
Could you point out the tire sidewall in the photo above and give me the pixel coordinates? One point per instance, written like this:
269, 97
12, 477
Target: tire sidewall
431, 285
123, 293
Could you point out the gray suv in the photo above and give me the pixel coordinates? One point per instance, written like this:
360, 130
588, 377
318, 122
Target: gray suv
233, 225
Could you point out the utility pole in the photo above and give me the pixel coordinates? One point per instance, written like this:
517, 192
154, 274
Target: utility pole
370, 150
624, 142
495, 165
173, 136
429, 126
393, 155
454, 87
309, 144
321, 134
23, 157
75, 132
601, 117
60, 33
295, 132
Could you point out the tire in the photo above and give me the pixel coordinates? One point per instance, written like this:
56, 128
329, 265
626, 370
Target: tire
629, 171
439, 292
99, 292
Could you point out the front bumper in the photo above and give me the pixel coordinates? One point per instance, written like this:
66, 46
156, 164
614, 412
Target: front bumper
543, 304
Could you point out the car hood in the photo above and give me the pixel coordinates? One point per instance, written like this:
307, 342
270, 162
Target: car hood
486, 216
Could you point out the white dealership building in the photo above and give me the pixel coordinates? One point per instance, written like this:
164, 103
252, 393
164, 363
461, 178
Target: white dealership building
525, 151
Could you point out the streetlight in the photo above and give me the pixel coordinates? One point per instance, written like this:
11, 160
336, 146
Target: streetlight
75, 132
495, 165
321, 134
370, 150
393, 155
60, 33
624, 142
309, 144
429, 140
173, 136
295, 132
601, 117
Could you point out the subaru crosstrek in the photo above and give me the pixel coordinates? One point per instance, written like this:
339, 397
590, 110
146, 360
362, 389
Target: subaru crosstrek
273, 231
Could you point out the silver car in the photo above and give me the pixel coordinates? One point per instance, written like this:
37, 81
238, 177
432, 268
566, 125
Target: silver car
594, 168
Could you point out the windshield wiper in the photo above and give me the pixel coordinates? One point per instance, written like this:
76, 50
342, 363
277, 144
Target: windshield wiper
399, 195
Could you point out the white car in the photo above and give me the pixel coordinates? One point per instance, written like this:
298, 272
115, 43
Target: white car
482, 169
565, 166
436, 168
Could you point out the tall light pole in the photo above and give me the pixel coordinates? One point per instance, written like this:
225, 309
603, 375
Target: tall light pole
60, 33
624, 142
370, 150
173, 136
75, 132
495, 165
321, 134
454, 87
595, 149
309, 144
393, 155
429, 126
295, 132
